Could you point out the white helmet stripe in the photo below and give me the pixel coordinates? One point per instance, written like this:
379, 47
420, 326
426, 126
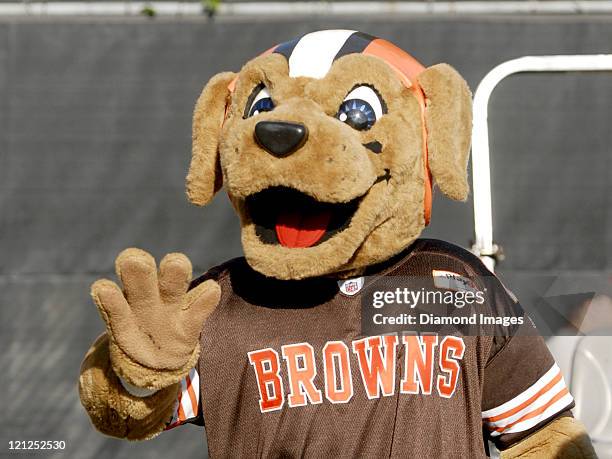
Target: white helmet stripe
315, 52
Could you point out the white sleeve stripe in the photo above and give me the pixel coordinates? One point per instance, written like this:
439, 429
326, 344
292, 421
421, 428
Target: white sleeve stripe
188, 401
191, 395
185, 401
553, 409
539, 402
187, 408
525, 395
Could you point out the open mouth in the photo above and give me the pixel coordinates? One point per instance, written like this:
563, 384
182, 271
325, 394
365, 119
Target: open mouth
293, 219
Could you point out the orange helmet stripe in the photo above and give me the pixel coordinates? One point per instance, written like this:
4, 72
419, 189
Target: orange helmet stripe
408, 68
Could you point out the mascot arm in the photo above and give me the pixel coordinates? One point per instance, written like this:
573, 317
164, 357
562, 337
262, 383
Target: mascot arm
130, 378
526, 403
563, 438
112, 409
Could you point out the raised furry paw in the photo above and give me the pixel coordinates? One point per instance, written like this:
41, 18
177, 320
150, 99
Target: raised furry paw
154, 323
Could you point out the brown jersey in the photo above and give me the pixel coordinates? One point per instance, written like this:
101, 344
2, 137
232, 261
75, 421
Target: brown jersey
286, 371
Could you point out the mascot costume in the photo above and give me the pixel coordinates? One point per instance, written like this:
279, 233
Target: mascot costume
328, 147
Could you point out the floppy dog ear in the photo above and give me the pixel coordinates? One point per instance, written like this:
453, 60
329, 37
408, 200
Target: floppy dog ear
204, 178
448, 116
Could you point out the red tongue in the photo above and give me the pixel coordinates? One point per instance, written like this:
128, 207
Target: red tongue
301, 230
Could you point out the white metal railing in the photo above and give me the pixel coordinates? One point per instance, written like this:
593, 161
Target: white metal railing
301, 8
484, 245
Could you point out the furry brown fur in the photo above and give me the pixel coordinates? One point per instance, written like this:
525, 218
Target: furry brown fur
334, 166
204, 178
111, 408
564, 438
448, 137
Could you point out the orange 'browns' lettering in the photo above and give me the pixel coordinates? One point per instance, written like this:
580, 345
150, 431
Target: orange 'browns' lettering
376, 358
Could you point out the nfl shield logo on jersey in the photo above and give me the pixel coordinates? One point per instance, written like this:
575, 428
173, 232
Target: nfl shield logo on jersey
350, 287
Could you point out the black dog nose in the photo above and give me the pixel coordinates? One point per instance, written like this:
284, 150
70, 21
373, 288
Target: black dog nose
280, 138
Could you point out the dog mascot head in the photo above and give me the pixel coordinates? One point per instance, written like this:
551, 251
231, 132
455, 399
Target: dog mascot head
328, 146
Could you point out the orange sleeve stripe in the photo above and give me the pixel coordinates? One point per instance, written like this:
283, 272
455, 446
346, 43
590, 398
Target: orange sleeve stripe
181, 412
534, 413
192, 396
527, 402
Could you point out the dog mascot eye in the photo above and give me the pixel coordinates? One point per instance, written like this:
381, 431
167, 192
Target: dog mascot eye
361, 108
260, 101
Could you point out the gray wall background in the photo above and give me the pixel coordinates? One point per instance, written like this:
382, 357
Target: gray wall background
95, 143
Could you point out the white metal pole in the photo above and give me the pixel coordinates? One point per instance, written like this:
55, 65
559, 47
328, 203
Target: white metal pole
481, 175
